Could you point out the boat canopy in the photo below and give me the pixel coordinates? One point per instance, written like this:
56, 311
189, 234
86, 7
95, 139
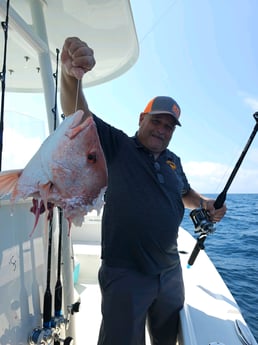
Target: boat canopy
37, 28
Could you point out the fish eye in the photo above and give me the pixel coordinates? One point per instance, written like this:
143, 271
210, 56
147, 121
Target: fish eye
92, 157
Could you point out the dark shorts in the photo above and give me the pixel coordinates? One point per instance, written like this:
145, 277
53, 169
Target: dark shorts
130, 298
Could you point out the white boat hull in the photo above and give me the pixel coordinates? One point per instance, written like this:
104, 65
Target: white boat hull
211, 314
22, 272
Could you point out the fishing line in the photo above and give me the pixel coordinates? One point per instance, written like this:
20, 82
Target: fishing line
2, 77
77, 95
229, 164
163, 14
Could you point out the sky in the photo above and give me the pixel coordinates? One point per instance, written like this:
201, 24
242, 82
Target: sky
202, 53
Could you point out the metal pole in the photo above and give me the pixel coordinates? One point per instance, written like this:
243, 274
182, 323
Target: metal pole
44, 60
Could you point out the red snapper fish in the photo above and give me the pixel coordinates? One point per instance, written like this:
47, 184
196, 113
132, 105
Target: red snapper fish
68, 170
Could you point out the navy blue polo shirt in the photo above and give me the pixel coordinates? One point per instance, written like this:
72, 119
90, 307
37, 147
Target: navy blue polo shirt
143, 203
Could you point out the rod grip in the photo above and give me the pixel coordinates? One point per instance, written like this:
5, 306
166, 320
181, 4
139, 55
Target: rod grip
198, 246
47, 312
58, 298
220, 200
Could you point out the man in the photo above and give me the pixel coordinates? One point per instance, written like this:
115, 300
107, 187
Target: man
140, 276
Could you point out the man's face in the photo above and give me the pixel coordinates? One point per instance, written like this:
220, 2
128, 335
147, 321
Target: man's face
155, 131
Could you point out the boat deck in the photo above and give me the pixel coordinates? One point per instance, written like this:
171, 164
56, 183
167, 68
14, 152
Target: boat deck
88, 320
210, 315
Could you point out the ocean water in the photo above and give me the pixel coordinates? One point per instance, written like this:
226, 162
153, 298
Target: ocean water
233, 249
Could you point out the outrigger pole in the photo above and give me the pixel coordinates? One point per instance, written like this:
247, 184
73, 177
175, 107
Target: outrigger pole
200, 217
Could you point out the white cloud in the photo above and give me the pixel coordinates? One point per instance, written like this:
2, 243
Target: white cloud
18, 149
210, 177
252, 102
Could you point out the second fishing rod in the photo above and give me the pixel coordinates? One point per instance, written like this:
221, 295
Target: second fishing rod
200, 217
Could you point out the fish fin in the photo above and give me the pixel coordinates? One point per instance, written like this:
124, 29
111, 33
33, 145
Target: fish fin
36, 209
44, 192
8, 180
77, 126
39, 208
69, 226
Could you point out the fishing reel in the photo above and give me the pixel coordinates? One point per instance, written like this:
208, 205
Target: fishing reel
59, 321
202, 222
52, 334
47, 336
41, 336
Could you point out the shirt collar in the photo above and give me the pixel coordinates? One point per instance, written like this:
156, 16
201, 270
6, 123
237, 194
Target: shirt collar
166, 153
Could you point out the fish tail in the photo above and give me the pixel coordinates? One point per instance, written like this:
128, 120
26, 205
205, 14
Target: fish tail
8, 180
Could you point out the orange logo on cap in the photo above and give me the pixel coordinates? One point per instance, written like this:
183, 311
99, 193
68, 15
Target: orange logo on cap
176, 110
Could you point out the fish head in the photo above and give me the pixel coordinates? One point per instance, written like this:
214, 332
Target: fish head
79, 171
95, 163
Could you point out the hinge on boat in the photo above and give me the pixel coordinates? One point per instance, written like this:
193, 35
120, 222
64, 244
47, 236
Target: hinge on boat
244, 333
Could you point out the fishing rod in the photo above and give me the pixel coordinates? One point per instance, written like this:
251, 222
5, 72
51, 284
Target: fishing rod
47, 308
52, 325
200, 216
45, 335
55, 75
58, 316
58, 320
5, 25
58, 286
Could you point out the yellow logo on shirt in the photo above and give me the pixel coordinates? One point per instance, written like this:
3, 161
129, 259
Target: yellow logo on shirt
171, 164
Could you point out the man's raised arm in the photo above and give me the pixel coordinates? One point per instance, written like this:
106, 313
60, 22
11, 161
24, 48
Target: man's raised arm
77, 59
